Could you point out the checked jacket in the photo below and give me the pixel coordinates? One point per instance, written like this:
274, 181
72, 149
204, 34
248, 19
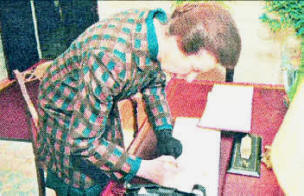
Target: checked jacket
78, 116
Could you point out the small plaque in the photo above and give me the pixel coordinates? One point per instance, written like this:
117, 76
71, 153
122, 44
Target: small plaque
246, 155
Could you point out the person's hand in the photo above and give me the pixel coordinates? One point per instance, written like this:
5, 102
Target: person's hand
159, 170
168, 145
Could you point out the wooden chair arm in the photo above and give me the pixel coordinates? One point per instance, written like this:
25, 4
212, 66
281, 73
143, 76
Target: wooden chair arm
30, 105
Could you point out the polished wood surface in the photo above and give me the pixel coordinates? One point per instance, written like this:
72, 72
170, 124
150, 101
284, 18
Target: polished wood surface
189, 100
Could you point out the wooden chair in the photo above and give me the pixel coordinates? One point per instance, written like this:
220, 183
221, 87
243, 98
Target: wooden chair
29, 75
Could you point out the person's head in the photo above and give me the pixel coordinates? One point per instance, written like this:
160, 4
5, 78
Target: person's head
205, 35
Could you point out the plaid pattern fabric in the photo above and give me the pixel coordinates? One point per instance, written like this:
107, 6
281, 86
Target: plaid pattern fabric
112, 60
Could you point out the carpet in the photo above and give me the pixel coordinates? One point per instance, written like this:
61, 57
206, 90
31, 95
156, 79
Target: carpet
17, 169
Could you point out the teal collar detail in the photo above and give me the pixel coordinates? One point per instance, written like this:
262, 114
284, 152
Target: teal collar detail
161, 15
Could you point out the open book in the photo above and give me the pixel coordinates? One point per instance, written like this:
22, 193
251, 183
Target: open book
229, 107
199, 161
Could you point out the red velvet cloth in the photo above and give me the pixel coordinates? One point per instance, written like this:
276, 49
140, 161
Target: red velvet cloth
189, 100
13, 117
268, 110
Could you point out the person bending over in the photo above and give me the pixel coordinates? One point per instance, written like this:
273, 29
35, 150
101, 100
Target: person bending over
80, 141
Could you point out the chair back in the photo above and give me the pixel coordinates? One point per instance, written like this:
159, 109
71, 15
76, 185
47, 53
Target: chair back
29, 75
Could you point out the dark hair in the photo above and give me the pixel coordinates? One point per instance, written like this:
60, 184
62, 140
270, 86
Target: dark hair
208, 26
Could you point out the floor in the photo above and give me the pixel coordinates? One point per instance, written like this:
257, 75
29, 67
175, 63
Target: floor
17, 169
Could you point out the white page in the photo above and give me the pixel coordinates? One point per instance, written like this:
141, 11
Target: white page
199, 161
229, 107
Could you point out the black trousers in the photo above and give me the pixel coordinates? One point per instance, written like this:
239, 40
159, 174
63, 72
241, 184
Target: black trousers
62, 189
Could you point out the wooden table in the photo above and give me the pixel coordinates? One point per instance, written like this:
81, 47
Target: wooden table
189, 100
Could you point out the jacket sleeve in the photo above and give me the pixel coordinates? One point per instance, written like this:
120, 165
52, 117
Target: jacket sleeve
90, 117
156, 103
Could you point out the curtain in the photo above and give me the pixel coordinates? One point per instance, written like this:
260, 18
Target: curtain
18, 35
59, 22
62, 21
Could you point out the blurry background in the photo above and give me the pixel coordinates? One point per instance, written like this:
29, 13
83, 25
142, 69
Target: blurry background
260, 56
54, 25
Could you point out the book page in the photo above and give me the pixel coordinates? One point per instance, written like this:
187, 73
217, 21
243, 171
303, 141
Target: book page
199, 162
229, 107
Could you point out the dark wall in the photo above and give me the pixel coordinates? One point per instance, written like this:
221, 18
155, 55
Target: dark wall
77, 16
50, 29
58, 25
18, 35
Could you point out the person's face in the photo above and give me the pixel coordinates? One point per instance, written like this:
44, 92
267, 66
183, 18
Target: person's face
188, 66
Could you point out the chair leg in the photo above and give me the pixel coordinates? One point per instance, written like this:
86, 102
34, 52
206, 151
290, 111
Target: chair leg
41, 181
39, 171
